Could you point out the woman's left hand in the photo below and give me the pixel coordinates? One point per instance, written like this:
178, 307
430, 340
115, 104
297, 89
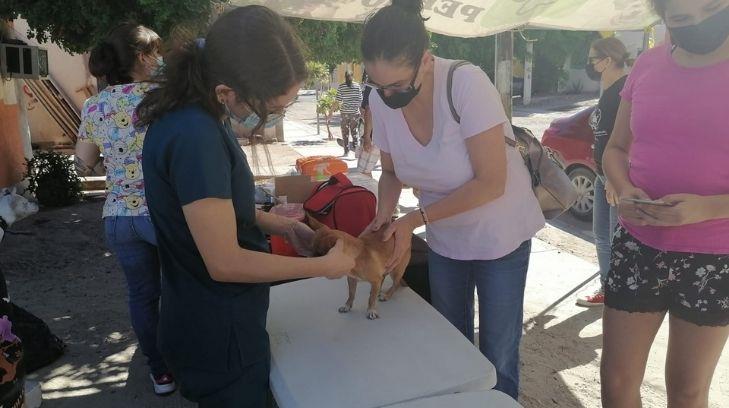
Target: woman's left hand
300, 236
684, 209
402, 229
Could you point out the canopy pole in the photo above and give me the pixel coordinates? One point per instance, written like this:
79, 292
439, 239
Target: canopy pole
504, 69
528, 68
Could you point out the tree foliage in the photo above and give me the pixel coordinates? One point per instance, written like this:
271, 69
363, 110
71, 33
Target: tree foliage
328, 106
551, 50
329, 42
77, 25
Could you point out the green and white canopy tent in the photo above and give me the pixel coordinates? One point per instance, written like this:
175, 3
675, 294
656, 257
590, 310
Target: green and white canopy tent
479, 18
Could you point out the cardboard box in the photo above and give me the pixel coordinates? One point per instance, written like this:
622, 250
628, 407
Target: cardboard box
296, 189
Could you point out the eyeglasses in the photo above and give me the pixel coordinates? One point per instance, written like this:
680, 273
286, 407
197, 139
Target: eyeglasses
281, 110
396, 88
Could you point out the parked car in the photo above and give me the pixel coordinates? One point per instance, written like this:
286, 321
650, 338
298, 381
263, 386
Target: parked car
570, 141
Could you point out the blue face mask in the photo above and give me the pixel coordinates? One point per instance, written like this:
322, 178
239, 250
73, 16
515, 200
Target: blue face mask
159, 68
252, 120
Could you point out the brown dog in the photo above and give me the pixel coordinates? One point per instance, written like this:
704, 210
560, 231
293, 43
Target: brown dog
370, 254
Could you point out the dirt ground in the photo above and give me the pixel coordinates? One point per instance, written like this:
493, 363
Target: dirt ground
58, 267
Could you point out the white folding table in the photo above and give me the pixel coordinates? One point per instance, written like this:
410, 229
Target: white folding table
324, 359
477, 399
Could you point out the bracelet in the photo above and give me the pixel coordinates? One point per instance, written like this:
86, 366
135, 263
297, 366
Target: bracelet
424, 215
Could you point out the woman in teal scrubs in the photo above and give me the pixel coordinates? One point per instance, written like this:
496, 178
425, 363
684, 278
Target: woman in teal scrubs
200, 191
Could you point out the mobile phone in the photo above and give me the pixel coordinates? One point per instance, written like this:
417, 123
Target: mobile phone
647, 202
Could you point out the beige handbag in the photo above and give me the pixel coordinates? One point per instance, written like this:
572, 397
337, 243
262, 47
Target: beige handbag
551, 186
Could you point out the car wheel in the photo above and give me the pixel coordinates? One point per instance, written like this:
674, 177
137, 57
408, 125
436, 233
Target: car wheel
584, 181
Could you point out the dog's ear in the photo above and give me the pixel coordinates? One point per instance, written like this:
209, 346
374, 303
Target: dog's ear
314, 223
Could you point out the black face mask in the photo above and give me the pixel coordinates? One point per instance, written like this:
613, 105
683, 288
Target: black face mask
705, 37
400, 99
592, 72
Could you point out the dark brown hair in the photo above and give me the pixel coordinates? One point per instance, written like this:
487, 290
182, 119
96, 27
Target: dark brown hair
115, 58
396, 32
250, 49
613, 48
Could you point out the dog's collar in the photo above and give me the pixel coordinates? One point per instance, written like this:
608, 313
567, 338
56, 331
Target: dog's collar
3, 224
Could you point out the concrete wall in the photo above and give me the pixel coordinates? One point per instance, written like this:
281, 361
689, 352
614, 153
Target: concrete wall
69, 71
12, 155
70, 74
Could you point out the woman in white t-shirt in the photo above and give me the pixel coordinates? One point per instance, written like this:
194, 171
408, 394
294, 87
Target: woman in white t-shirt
476, 196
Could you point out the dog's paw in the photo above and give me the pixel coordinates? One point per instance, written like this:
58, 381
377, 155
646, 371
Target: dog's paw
345, 309
383, 297
372, 315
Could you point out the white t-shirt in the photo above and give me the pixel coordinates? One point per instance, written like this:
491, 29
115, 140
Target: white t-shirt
441, 167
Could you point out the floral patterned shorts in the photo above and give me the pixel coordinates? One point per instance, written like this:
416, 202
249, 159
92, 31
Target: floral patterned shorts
693, 287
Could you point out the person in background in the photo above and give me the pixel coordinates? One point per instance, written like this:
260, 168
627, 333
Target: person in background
608, 60
126, 60
349, 99
370, 154
667, 160
476, 199
216, 262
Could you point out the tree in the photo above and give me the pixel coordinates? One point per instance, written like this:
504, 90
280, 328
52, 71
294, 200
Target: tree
551, 51
327, 106
77, 25
329, 42
318, 74
479, 51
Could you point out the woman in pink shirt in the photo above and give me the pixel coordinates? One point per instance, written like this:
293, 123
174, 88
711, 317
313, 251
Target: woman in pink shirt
475, 192
671, 144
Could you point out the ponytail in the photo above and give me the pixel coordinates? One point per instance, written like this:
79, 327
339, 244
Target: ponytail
115, 58
182, 82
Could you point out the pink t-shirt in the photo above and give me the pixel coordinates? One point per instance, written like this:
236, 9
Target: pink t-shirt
680, 126
490, 231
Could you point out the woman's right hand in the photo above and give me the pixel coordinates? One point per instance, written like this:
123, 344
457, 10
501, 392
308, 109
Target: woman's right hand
629, 211
610, 194
339, 262
376, 224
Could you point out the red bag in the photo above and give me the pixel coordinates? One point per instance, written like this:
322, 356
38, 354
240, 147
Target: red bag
340, 205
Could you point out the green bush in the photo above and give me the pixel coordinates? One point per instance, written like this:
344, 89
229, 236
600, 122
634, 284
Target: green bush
327, 106
53, 179
318, 74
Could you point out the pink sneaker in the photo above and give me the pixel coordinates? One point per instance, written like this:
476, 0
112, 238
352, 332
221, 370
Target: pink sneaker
163, 384
596, 299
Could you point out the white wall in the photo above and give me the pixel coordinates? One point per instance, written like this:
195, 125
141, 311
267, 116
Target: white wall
68, 71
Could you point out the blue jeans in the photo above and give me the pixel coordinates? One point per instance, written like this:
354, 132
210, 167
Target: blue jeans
604, 220
133, 241
500, 284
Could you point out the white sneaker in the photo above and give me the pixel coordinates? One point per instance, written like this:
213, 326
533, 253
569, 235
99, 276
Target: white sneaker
163, 384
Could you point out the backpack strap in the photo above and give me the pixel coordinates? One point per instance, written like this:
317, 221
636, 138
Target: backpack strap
454, 66
340, 178
324, 195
